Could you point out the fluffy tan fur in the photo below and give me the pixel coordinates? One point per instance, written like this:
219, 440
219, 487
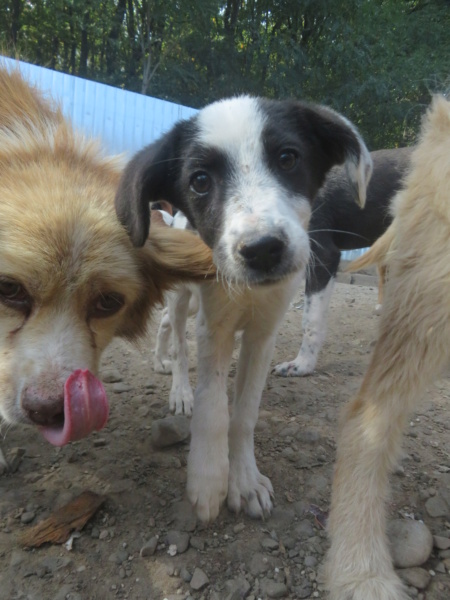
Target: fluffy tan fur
63, 251
412, 349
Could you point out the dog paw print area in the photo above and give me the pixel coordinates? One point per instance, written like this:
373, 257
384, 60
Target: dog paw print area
86, 409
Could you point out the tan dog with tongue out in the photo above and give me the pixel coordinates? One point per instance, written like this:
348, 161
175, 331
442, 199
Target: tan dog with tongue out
70, 278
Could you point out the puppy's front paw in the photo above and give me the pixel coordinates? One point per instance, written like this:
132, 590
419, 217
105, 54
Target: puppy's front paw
248, 489
294, 368
207, 485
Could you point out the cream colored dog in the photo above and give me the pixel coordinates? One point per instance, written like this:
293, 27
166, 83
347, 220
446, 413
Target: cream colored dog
412, 349
70, 279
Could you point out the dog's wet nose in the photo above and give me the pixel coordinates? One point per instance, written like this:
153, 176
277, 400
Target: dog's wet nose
264, 253
47, 411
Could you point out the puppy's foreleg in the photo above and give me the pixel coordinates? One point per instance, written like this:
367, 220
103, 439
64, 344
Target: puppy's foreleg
208, 464
247, 486
411, 350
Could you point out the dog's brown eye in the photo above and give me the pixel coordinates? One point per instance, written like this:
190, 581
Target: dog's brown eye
287, 160
201, 182
13, 294
107, 305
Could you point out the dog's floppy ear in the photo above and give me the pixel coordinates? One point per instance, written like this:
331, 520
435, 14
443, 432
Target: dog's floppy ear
149, 176
340, 142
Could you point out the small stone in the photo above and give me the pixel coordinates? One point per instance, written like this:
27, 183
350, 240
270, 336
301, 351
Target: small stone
437, 507
411, 542
276, 589
237, 588
441, 543
111, 376
417, 577
169, 431
149, 548
118, 557
238, 528
199, 579
27, 517
120, 388
197, 543
310, 561
185, 575
99, 442
269, 544
258, 564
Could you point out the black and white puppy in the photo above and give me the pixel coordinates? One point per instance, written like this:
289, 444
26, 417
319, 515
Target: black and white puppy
337, 224
245, 172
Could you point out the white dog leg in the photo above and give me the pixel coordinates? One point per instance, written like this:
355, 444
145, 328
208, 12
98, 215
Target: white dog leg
181, 397
247, 487
208, 465
314, 327
412, 348
162, 362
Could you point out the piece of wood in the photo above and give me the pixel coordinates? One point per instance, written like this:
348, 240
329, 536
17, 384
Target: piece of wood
57, 528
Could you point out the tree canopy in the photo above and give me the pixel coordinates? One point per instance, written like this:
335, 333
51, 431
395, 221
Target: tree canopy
376, 61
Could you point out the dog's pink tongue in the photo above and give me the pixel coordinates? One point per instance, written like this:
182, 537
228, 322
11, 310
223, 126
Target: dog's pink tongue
85, 409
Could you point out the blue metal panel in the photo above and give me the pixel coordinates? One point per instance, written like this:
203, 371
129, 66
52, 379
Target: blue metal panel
124, 121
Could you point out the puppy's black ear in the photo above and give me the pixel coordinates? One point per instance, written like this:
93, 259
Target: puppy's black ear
150, 175
339, 142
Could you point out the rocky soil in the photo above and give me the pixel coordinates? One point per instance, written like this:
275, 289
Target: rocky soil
144, 543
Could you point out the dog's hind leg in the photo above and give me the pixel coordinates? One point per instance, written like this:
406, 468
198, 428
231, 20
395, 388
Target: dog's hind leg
320, 279
162, 362
411, 350
181, 397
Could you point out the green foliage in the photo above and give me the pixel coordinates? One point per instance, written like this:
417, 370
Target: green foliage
377, 61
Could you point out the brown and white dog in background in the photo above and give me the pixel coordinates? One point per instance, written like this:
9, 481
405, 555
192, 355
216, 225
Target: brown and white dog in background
412, 350
70, 279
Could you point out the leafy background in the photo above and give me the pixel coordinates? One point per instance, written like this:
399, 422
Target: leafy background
376, 61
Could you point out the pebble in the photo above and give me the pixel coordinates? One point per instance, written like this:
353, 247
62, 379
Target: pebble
258, 564
436, 506
441, 543
170, 430
411, 542
417, 577
111, 376
149, 548
120, 388
179, 539
270, 544
199, 579
27, 517
237, 588
118, 557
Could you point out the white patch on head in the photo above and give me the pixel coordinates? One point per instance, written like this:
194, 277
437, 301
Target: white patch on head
257, 204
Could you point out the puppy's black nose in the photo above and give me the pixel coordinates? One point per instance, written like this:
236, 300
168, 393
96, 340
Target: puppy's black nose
263, 254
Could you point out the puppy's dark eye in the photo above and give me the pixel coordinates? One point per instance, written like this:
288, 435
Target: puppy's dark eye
201, 182
107, 305
287, 160
14, 295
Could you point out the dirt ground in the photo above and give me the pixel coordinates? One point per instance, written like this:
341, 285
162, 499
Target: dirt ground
235, 557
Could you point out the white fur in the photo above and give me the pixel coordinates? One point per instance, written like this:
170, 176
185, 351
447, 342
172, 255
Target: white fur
314, 328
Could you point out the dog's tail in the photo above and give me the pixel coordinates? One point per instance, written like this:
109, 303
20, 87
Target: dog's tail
377, 254
180, 254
